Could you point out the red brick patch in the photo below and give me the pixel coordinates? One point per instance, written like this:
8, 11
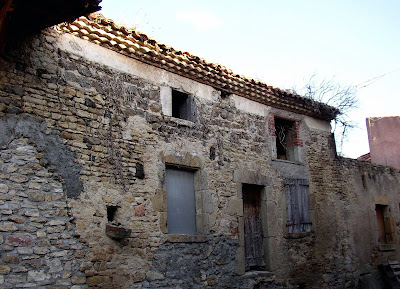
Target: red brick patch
19, 239
140, 211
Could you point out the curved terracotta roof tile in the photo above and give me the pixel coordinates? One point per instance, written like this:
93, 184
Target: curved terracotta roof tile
107, 33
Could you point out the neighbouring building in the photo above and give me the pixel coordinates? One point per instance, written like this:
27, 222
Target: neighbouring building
127, 164
384, 140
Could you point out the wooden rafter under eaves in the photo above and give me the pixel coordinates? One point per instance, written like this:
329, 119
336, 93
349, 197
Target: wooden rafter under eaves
5, 9
22, 17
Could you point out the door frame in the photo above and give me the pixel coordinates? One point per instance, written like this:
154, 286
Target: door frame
253, 193
268, 217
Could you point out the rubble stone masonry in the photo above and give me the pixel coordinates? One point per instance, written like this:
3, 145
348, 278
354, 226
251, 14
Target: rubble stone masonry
78, 137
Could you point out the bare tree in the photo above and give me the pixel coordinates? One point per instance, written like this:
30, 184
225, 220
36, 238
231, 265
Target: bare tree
330, 92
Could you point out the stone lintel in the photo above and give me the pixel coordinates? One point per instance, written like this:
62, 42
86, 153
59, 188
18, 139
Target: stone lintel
188, 160
380, 200
249, 177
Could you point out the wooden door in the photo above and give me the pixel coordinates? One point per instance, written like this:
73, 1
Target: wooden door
253, 234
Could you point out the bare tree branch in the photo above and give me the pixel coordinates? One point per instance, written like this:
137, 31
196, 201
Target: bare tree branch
332, 93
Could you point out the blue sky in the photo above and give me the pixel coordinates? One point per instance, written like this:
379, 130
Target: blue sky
284, 42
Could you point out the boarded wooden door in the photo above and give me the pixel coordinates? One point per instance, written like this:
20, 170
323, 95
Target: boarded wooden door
253, 234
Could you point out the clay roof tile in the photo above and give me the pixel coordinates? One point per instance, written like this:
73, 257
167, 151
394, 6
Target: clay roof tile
100, 30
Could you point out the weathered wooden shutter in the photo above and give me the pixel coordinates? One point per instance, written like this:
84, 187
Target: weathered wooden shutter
297, 211
191, 109
181, 207
390, 230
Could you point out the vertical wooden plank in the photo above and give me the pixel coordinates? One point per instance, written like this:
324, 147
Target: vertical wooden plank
297, 210
305, 212
289, 209
253, 235
390, 230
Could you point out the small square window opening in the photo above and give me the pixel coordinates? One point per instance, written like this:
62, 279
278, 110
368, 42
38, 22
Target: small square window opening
111, 211
182, 106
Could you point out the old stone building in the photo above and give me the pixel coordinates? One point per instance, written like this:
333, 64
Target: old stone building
127, 164
384, 140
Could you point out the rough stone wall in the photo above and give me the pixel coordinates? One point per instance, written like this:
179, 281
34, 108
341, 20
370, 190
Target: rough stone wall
38, 245
102, 135
344, 194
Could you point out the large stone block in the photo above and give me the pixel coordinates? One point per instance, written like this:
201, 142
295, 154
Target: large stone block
208, 205
10, 258
20, 239
8, 227
3, 188
4, 269
234, 207
96, 280
160, 201
55, 265
37, 275
36, 196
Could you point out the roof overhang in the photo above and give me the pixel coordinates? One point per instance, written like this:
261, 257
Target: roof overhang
107, 33
21, 17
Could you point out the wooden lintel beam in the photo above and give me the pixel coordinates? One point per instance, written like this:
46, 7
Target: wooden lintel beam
3, 25
6, 8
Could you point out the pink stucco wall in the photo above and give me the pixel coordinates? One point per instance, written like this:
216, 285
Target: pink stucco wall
384, 140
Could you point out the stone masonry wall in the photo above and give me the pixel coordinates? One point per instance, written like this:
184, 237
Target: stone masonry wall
37, 240
99, 139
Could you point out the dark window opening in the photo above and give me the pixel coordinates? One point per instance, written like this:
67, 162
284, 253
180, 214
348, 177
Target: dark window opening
111, 211
139, 171
284, 132
182, 106
253, 232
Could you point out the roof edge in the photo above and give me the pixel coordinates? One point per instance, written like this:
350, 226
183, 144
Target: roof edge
127, 41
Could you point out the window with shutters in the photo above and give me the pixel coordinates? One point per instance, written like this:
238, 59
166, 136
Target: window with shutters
178, 104
297, 210
181, 207
183, 106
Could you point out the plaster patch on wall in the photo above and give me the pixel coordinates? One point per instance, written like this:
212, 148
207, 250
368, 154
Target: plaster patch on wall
134, 126
55, 153
166, 100
249, 106
98, 54
313, 124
